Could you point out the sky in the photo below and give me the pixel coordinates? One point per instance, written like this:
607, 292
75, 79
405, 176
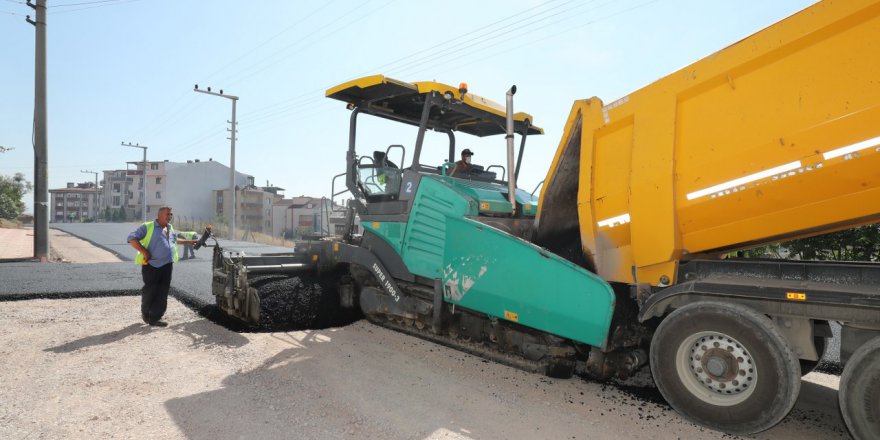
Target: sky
124, 70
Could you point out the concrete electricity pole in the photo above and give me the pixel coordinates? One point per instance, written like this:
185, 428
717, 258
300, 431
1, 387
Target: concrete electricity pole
144, 176
233, 132
95, 218
41, 138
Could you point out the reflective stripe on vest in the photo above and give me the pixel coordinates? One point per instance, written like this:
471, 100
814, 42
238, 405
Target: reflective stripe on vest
145, 242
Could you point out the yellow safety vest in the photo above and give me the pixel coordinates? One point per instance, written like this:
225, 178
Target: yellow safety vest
189, 235
145, 242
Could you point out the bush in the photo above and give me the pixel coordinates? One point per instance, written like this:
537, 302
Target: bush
12, 191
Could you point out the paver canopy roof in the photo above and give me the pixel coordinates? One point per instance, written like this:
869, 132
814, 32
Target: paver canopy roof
402, 101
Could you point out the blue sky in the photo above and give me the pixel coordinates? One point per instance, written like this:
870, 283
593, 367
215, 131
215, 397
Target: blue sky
123, 71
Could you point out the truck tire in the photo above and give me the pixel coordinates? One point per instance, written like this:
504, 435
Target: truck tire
859, 392
726, 367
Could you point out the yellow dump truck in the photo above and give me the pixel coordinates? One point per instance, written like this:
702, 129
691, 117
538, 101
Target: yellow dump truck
776, 137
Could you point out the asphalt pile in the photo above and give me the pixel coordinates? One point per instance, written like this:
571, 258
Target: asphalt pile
296, 303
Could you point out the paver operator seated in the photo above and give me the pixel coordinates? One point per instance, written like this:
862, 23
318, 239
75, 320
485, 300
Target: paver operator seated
462, 167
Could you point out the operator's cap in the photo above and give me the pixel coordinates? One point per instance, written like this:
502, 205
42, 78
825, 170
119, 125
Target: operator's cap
467, 152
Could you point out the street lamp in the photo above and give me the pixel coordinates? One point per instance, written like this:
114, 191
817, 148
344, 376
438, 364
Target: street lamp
144, 176
233, 132
95, 217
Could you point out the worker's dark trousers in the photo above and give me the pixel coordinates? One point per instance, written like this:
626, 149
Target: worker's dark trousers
154, 295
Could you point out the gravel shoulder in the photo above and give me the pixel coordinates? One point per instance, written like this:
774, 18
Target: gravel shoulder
86, 368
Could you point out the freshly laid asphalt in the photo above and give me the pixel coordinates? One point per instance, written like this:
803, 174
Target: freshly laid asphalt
191, 280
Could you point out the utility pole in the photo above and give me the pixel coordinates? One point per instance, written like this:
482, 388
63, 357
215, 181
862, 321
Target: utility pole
144, 175
41, 138
234, 132
95, 217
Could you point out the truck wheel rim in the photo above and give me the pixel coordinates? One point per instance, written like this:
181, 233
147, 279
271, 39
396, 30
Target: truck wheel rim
716, 368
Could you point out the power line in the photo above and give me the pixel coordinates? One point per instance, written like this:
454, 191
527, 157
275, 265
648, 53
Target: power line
304, 104
197, 140
300, 41
272, 59
12, 13
64, 5
419, 52
120, 2
427, 62
169, 116
191, 106
463, 61
481, 28
250, 51
328, 32
490, 35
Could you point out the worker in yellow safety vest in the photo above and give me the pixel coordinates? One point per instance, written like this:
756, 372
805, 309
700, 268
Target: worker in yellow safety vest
156, 244
189, 237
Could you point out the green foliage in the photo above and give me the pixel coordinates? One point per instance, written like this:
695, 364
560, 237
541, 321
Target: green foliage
12, 191
856, 244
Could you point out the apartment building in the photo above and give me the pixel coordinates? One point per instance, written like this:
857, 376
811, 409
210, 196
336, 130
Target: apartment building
74, 204
300, 216
254, 206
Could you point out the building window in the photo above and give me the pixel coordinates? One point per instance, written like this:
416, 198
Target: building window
154, 166
115, 187
158, 180
306, 220
158, 194
115, 200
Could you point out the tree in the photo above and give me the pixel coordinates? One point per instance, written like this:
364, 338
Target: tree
856, 244
121, 215
12, 191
